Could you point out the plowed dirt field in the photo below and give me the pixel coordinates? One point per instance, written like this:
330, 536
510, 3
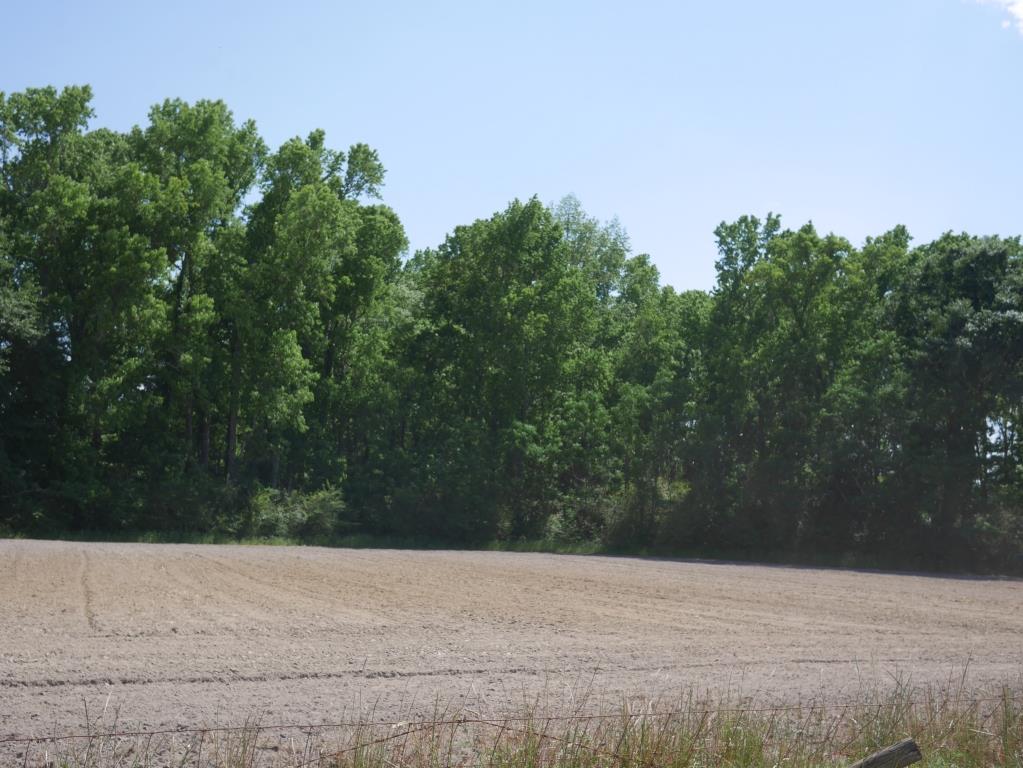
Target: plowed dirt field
176, 635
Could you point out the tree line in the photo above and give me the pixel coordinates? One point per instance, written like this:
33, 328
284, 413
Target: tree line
200, 334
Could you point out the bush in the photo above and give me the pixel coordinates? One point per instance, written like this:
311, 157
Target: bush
316, 515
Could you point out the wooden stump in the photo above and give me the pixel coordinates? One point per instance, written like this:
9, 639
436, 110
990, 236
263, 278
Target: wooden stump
906, 752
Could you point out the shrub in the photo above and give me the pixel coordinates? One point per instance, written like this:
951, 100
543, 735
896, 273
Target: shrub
315, 515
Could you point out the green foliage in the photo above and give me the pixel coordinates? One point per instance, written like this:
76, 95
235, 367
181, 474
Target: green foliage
19, 313
200, 334
318, 515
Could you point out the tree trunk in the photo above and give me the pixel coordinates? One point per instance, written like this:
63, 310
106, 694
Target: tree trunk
232, 440
189, 430
232, 417
204, 440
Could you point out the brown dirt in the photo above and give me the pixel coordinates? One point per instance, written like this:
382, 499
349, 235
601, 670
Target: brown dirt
176, 635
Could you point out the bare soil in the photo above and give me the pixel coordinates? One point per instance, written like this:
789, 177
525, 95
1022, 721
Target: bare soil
171, 636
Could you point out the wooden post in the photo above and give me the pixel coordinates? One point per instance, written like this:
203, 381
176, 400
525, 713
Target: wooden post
906, 752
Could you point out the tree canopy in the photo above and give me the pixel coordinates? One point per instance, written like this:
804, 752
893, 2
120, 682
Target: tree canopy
199, 333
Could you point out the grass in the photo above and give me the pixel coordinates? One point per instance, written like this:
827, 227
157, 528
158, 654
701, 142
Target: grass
551, 546
954, 726
353, 541
350, 541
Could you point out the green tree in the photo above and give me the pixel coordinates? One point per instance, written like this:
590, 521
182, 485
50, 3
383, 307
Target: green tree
205, 164
504, 310
958, 317
324, 260
77, 207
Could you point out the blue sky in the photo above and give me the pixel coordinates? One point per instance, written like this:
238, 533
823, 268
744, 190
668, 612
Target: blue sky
672, 116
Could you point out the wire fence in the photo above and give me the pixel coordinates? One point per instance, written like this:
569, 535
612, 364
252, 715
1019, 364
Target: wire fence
415, 725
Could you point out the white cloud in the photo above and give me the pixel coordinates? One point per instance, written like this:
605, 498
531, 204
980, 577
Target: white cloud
1012, 7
